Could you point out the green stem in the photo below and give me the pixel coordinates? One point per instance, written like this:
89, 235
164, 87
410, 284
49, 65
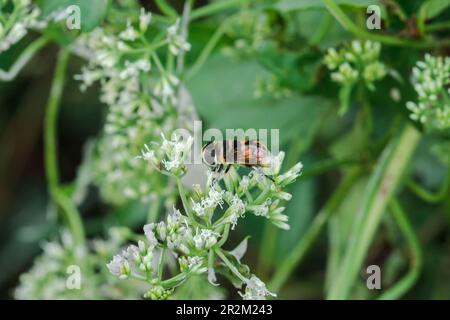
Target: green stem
216, 7
438, 26
379, 190
402, 286
174, 281
183, 197
209, 47
349, 25
162, 257
166, 8
326, 165
185, 19
428, 196
186, 204
298, 253
230, 265
23, 59
69, 210
224, 237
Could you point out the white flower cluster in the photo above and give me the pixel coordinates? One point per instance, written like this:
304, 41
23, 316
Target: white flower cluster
170, 155
16, 21
358, 61
177, 42
196, 237
256, 290
431, 78
48, 277
141, 96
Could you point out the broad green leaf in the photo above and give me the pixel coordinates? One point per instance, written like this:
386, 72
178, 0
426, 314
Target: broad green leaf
433, 8
429, 10
223, 95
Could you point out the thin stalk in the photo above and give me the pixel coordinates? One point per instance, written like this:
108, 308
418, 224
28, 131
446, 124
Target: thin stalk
323, 166
166, 8
230, 265
206, 52
428, 196
216, 7
162, 257
23, 59
349, 25
380, 189
298, 253
185, 203
437, 26
185, 19
69, 210
406, 283
224, 237
174, 281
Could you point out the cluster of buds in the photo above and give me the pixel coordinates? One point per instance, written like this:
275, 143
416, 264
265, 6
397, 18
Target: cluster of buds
352, 63
431, 78
16, 20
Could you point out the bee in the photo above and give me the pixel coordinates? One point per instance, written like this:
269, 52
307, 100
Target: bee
221, 155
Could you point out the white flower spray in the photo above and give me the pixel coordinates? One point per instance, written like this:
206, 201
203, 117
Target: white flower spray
196, 236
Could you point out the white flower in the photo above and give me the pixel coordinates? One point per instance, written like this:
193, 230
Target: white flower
290, 176
129, 34
256, 290
119, 267
198, 208
205, 239
165, 88
87, 77
144, 20
177, 43
192, 264
149, 233
262, 209
147, 154
175, 152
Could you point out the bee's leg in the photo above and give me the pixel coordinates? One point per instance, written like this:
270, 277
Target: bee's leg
216, 172
265, 175
227, 169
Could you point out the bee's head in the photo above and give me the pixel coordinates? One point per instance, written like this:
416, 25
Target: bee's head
209, 154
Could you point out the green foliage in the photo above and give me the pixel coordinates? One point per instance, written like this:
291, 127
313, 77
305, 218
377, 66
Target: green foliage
365, 111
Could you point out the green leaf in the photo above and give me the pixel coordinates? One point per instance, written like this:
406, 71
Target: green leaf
223, 95
429, 10
92, 12
381, 186
433, 8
